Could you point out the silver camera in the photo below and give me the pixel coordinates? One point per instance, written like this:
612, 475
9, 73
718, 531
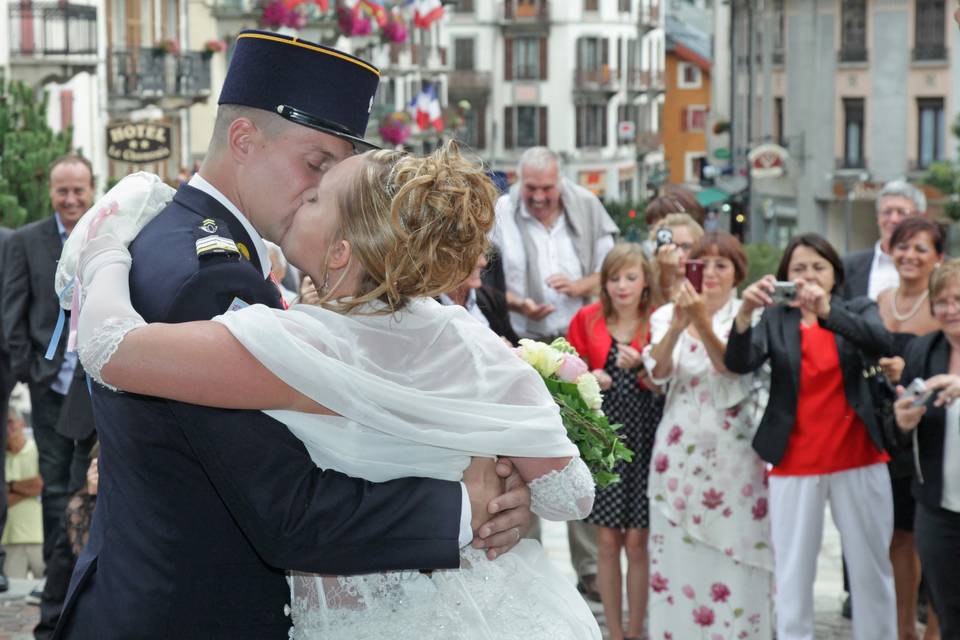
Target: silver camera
784, 292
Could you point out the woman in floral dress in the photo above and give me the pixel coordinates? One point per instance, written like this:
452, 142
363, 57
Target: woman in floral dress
711, 561
609, 335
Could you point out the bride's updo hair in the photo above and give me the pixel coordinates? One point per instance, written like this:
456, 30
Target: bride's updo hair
417, 226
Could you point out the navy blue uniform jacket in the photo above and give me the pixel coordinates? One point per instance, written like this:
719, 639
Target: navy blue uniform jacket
200, 510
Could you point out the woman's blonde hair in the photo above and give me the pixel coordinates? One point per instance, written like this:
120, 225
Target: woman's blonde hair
623, 256
942, 276
678, 220
416, 226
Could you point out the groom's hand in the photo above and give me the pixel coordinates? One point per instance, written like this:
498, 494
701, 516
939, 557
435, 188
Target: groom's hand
511, 514
483, 485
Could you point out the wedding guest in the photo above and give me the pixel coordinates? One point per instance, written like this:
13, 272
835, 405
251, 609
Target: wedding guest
610, 335
709, 533
671, 258
821, 436
673, 198
486, 304
23, 535
916, 247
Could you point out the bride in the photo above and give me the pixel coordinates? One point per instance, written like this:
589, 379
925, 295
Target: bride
378, 381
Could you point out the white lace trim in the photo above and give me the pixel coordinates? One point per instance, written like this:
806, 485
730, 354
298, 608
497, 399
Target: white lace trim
506, 599
96, 352
563, 495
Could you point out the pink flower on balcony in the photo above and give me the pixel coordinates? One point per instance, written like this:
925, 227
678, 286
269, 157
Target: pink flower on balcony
703, 616
661, 463
719, 592
658, 583
759, 510
712, 498
675, 434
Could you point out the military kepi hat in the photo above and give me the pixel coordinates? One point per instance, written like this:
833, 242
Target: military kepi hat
306, 83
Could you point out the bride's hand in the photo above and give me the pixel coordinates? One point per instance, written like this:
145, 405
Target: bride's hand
512, 517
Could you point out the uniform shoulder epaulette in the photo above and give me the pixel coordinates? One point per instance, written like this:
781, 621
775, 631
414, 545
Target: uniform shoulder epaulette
213, 239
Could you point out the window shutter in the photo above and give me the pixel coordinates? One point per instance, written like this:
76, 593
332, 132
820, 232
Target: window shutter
66, 108
579, 116
481, 126
543, 126
543, 58
603, 123
620, 65
508, 58
605, 52
683, 119
508, 127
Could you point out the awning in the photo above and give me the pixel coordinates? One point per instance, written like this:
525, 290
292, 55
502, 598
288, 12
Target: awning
711, 196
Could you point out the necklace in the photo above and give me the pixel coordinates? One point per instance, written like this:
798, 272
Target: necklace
916, 307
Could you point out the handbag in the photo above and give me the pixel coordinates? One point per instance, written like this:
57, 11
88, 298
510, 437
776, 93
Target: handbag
882, 396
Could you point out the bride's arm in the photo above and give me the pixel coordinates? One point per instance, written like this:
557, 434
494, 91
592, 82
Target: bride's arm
560, 488
195, 362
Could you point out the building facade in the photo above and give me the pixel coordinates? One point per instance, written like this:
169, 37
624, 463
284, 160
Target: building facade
686, 106
584, 78
857, 92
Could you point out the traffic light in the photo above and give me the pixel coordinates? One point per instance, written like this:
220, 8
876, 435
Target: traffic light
738, 219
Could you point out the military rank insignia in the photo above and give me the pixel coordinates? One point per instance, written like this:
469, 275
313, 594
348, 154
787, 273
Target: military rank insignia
217, 245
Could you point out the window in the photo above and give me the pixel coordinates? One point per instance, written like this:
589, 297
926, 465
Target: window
464, 6
526, 58
930, 136
853, 35
473, 132
591, 5
929, 30
628, 113
591, 53
463, 54
524, 126
688, 76
694, 162
853, 131
694, 118
623, 6
591, 125
778, 120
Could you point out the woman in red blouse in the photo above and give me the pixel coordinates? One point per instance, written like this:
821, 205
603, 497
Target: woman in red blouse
610, 335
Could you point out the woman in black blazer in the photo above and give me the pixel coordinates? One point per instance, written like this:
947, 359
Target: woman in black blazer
935, 358
820, 434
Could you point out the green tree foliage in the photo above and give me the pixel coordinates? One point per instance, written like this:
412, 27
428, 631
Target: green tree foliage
762, 259
27, 147
632, 227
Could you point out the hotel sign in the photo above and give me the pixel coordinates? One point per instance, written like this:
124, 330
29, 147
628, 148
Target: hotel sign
138, 142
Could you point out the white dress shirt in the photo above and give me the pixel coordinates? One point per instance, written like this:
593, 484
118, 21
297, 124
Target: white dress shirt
61, 384
470, 305
556, 253
883, 273
199, 183
950, 497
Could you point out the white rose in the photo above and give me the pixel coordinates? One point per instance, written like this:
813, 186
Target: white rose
541, 357
589, 390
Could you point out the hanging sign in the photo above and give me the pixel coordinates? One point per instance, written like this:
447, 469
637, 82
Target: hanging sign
138, 142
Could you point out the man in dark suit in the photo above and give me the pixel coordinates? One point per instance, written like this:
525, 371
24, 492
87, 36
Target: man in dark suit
63, 431
7, 381
871, 271
200, 510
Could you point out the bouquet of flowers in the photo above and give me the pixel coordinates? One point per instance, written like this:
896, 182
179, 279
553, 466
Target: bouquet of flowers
577, 393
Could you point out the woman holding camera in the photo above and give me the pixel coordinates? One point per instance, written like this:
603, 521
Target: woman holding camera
916, 247
709, 534
674, 236
820, 434
935, 426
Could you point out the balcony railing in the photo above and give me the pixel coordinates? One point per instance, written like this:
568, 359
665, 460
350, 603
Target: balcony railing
602, 79
930, 52
526, 10
652, 80
649, 15
152, 74
469, 80
648, 141
236, 8
45, 29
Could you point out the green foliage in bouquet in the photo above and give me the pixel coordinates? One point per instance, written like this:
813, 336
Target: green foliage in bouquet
577, 394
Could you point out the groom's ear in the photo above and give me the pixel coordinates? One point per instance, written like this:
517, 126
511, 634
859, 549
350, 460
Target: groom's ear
242, 137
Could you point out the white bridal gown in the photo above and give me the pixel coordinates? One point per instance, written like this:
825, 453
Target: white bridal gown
418, 393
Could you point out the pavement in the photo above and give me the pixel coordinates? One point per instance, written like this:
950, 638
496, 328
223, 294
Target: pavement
18, 618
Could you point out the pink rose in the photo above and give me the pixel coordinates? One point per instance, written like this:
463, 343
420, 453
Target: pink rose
703, 616
675, 434
760, 509
688, 591
658, 583
719, 592
661, 463
712, 498
571, 368
747, 490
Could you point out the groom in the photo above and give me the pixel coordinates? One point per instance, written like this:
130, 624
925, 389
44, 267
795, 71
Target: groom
199, 509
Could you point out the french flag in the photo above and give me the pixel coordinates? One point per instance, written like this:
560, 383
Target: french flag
428, 112
376, 9
426, 12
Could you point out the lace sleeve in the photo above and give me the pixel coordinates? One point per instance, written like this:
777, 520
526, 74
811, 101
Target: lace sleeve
96, 351
563, 495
